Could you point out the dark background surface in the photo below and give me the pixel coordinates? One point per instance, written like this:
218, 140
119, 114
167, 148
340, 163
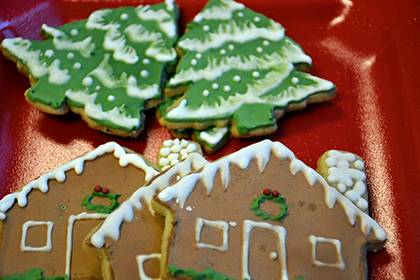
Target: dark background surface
370, 49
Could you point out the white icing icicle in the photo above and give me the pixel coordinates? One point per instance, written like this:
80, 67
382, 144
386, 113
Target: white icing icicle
77, 165
262, 151
125, 212
162, 17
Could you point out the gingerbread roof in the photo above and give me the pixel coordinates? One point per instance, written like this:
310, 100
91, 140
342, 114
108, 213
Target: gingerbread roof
125, 213
77, 165
262, 152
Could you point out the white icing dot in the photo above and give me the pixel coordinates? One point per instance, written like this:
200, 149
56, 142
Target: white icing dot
206, 28
191, 148
165, 151
70, 55
359, 164
214, 86
74, 32
49, 53
273, 256
174, 161
198, 55
266, 43
177, 141
111, 98
343, 164
226, 88
144, 73
98, 87
87, 81
233, 224
124, 16
255, 74
168, 143
341, 187
260, 50
77, 65
206, 92
146, 61
163, 161
178, 177
194, 61
231, 47
223, 51
237, 78
183, 152
240, 14
257, 19
176, 148
362, 203
295, 80
188, 208
173, 156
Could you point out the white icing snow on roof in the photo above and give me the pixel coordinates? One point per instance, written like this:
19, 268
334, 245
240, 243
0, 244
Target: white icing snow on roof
77, 165
262, 152
125, 212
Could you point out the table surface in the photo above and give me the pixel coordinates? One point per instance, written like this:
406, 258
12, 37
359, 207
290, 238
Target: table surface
368, 48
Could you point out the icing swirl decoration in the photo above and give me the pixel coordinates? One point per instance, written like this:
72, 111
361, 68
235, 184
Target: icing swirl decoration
275, 197
106, 68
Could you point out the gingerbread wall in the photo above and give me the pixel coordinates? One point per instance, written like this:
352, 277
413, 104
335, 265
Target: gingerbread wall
61, 201
308, 215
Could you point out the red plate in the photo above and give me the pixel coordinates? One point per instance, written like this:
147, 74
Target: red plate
369, 49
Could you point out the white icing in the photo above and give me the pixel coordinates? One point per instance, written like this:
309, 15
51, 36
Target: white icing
188, 208
69, 237
349, 180
337, 244
198, 55
221, 225
233, 224
49, 53
115, 41
175, 151
193, 62
70, 55
48, 244
281, 233
110, 98
96, 21
57, 76
87, 81
77, 165
213, 136
240, 14
94, 110
144, 194
215, 86
266, 43
77, 66
206, 28
295, 80
74, 32
255, 74
231, 32
146, 61
273, 256
218, 66
124, 16
223, 12
144, 73
206, 92
257, 19
146, 92
161, 17
260, 50
237, 78
231, 47
226, 88
141, 259
262, 152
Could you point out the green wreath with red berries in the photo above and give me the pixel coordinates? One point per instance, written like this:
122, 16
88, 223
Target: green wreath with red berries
101, 192
273, 196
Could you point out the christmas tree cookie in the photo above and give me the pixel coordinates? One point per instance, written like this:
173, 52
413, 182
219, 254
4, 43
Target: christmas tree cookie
240, 71
346, 172
108, 68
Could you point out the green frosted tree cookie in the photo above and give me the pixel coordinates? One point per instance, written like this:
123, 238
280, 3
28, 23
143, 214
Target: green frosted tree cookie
109, 68
238, 71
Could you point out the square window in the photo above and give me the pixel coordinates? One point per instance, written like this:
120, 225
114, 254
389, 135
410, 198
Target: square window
141, 260
48, 243
316, 241
220, 226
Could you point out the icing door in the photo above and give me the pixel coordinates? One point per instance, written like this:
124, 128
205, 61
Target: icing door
82, 262
263, 249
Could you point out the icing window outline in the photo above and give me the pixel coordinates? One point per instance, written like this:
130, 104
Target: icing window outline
25, 228
141, 259
222, 225
337, 243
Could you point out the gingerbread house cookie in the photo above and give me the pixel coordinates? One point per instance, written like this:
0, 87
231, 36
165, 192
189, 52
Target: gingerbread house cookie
260, 213
44, 226
129, 240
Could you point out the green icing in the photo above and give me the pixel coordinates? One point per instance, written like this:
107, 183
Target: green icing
239, 67
262, 198
212, 138
32, 274
105, 209
110, 65
207, 274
